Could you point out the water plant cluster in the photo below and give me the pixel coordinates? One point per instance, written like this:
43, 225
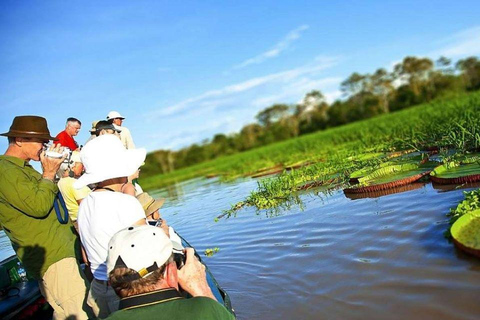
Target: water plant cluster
468, 205
398, 144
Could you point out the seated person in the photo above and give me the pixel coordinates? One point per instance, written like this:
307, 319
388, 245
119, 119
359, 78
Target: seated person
69, 172
143, 273
104, 127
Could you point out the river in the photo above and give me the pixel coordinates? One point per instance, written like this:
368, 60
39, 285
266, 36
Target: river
330, 257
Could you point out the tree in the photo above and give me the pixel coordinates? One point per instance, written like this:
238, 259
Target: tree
470, 68
415, 71
382, 86
272, 114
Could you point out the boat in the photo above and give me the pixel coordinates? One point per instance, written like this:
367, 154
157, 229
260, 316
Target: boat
21, 299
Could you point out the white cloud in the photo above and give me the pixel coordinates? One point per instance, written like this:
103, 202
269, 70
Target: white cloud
281, 46
460, 44
320, 63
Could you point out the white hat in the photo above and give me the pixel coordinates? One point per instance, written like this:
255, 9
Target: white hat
105, 157
75, 157
141, 248
114, 115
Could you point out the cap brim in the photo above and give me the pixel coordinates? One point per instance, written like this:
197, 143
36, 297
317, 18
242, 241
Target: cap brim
132, 161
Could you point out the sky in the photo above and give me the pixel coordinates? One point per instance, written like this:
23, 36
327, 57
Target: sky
183, 71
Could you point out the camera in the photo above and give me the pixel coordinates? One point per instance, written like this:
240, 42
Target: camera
179, 259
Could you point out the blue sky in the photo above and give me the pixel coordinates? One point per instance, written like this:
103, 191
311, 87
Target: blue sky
182, 71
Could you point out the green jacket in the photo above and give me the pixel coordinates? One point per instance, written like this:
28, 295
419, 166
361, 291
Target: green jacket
28, 217
168, 304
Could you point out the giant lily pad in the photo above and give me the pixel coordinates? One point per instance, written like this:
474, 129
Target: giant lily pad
392, 176
456, 173
466, 232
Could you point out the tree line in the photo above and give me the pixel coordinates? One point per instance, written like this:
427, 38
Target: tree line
412, 81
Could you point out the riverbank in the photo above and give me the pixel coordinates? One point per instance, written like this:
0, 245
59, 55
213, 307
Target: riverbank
447, 122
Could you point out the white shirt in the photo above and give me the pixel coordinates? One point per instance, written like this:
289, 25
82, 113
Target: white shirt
100, 216
125, 137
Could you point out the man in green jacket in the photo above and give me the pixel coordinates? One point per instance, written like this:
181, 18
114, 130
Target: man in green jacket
144, 274
46, 247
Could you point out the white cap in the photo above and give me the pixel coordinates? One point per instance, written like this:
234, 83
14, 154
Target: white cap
105, 157
139, 248
114, 115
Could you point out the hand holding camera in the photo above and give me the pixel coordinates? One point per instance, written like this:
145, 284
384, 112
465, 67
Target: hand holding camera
192, 277
51, 161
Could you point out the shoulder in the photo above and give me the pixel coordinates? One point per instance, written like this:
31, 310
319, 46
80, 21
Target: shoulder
208, 308
61, 134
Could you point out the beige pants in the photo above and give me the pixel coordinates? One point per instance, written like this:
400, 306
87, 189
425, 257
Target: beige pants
102, 298
65, 289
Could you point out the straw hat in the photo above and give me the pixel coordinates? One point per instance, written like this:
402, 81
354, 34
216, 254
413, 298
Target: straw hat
29, 127
94, 124
149, 204
105, 158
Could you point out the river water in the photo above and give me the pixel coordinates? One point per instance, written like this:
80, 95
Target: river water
330, 257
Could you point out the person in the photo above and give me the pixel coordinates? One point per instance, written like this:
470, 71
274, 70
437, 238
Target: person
69, 172
152, 207
105, 127
125, 136
92, 132
28, 199
132, 187
65, 138
106, 210
144, 274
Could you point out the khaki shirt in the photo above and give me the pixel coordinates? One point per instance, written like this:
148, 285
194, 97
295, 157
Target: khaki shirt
126, 137
28, 218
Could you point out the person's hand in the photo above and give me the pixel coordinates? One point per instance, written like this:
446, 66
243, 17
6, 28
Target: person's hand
50, 165
192, 277
164, 227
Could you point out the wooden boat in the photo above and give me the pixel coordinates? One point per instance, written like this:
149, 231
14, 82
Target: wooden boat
22, 299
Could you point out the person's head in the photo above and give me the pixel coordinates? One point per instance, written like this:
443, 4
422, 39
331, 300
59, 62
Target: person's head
71, 167
140, 260
105, 158
150, 205
115, 118
27, 137
105, 127
93, 129
73, 126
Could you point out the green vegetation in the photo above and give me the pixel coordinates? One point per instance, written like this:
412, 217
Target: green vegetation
468, 233
412, 82
470, 204
211, 251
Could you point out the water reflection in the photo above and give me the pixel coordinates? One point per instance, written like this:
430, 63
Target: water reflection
451, 187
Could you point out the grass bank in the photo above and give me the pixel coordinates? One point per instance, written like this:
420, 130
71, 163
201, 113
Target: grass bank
443, 123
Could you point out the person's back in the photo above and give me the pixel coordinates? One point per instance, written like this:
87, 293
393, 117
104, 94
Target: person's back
101, 215
168, 304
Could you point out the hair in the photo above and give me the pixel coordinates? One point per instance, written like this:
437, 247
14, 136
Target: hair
71, 119
124, 287
11, 140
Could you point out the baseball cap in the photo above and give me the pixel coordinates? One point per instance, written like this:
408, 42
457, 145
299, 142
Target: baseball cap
140, 248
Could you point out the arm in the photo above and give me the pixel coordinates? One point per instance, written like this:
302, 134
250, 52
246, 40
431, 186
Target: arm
192, 277
128, 138
28, 194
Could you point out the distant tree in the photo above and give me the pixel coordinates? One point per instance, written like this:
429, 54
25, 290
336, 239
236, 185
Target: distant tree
249, 136
272, 114
382, 86
470, 68
415, 71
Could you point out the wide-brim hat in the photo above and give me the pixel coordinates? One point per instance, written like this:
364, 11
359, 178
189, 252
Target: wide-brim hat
141, 248
29, 127
149, 204
114, 115
105, 158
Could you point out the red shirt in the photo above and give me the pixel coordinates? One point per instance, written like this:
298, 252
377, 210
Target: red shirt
67, 141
